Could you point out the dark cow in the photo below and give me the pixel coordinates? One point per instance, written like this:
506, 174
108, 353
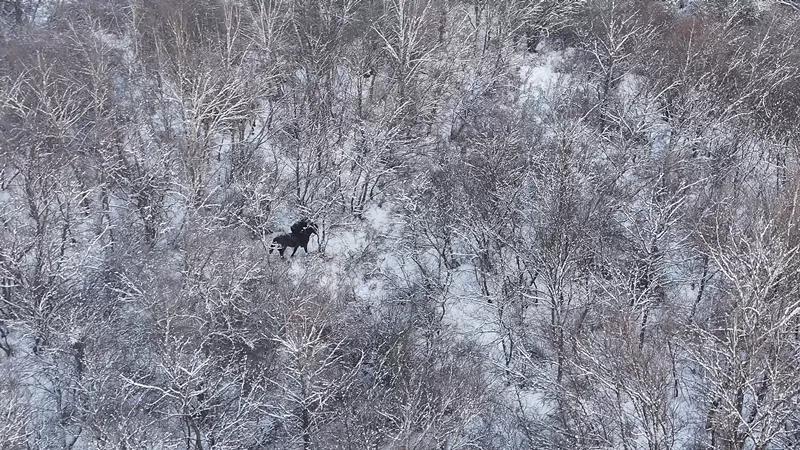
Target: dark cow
301, 233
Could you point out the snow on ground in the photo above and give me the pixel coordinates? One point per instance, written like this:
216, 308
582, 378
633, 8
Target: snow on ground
380, 218
346, 244
352, 255
540, 74
467, 312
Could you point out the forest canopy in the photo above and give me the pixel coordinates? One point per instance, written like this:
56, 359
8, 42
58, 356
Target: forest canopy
526, 224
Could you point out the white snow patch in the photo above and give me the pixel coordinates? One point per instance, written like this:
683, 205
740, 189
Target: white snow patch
346, 243
537, 79
379, 218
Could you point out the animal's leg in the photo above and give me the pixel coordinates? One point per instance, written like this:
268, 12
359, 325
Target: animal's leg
295, 250
281, 250
305, 247
273, 245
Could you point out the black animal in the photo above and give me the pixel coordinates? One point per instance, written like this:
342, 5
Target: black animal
301, 233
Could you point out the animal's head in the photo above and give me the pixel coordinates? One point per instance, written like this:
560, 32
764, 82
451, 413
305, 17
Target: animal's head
310, 228
304, 227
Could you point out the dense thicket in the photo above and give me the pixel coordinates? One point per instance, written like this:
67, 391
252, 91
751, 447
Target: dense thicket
542, 224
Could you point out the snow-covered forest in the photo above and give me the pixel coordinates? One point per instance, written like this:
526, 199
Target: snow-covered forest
540, 224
